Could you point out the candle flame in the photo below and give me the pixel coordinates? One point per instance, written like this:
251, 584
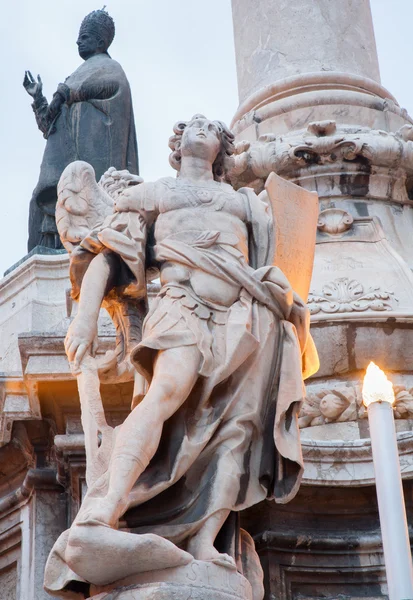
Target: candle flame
376, 386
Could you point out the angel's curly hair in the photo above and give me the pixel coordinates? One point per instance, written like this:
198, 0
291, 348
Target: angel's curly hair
223, 162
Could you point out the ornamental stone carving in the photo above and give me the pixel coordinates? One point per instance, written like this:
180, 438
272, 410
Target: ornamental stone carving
348, 295
344, 404
334, 220
321, 144
328, 406
403, 406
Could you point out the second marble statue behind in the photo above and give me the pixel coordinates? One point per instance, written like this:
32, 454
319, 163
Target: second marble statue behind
222, 351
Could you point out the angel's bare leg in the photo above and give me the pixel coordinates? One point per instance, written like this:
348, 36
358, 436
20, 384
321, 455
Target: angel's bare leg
201, 545
175, 373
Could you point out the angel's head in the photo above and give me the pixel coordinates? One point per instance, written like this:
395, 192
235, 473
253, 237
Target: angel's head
202, 138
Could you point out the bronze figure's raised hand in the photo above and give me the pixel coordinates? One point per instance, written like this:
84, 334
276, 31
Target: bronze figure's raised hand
33, 88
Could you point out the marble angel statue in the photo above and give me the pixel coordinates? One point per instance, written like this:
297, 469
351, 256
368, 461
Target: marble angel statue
221, 350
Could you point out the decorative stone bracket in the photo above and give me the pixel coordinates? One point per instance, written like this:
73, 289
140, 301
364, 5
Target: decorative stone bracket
18, 402
322, 144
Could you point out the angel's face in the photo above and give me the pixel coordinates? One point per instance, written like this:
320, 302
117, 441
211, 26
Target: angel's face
201, 139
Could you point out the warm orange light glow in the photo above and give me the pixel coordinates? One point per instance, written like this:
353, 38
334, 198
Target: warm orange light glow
376, 386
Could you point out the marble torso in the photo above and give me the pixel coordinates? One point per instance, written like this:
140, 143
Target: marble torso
194, 210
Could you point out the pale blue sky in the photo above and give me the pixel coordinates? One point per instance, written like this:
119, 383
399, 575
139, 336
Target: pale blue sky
179, 58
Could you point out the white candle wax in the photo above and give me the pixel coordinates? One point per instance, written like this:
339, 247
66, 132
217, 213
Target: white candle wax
392, 512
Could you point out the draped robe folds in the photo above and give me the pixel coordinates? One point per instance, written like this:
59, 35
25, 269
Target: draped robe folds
95, 124
235, 441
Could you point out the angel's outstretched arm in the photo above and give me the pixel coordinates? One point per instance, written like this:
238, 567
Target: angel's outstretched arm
82, 333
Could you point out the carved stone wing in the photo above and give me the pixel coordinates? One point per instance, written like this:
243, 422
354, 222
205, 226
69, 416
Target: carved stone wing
295, 214
82, 204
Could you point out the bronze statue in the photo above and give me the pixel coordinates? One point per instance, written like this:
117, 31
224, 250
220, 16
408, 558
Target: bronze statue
89, 118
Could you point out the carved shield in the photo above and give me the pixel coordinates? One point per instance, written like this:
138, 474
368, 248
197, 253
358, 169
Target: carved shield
295, 213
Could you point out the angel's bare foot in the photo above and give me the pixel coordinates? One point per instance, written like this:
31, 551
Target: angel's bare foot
201, 545
225, 560
207, 552
204, 549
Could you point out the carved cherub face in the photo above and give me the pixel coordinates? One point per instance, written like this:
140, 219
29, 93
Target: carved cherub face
201, 138
89, 44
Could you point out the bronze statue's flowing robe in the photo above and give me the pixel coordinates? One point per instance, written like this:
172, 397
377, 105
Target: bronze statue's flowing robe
235, 441
95, 124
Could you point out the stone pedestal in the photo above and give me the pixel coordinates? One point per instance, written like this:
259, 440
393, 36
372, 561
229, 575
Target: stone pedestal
169, 591
199, 581
326, 543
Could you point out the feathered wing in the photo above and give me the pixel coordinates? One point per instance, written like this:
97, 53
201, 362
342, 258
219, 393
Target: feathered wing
82, 207
82, 204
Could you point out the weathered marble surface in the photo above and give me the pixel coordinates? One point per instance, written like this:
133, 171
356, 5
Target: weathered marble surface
166, 591
198, 580
361, 293
341, 402
291, 104
8, 582
327, 541
32, 298
49, 509
273, 40
293, 70
32, 511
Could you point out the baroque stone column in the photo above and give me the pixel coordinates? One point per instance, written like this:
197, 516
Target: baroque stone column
280, 39
308, 60
313, 110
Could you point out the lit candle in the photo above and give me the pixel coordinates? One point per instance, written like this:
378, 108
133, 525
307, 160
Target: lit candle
378, 397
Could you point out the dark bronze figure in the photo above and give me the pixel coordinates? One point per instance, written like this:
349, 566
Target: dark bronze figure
90, 118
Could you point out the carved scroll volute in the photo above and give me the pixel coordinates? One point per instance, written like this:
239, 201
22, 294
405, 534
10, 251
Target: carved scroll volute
321, 144
334, 220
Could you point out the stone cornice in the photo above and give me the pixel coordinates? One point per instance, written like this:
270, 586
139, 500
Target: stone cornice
310, 82
339, 463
